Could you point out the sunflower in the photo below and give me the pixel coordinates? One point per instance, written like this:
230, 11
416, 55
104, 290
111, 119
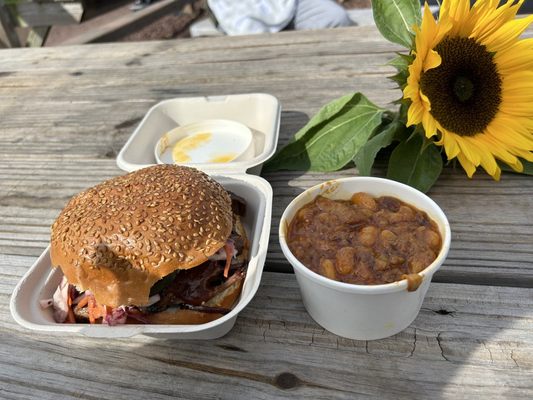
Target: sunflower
470, 83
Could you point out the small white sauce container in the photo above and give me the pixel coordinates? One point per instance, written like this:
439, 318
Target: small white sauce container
227, 138
363, 312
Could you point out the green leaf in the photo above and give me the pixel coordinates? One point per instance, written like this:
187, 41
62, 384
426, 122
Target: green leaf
395, 19
528, 168
415, 165
327, 112
401, 62
331, 138
400, 78
404, 109
366, 156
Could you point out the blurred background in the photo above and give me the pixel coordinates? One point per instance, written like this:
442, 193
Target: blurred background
25, 23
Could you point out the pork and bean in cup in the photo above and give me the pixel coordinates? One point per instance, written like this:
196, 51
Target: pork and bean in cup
364, 251
365, 240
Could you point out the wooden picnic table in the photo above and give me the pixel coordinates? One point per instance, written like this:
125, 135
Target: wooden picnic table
66, 112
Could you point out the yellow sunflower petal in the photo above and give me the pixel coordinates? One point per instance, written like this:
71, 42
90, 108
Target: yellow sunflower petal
414, 114
430, 125
507, 34
491, 167
517, 82
427, 32
450, 146
498, 150
433, 60
467, 165
469, 150
490, 17
526, 155
429, 25
410, 92
520, 126
425, 102
454, 10
487, 160
518, 167
519, 110
521, 75
508, 137
517, 57
497, 173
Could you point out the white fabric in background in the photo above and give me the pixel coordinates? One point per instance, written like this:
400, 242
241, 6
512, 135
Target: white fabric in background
320, 14
243, 17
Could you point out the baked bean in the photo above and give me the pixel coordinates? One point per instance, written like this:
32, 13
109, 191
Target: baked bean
331, 206
389, 203
381, 262
324, 217
328, 269
353, 217
404, 214
387, 238
368, 236
432, 239
421, 260
323, 245
305, 214
363, 240
364, 270
396, 259
344, 260
381, 219
364, 200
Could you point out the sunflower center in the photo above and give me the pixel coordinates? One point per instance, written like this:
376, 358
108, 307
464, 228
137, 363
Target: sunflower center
465, 90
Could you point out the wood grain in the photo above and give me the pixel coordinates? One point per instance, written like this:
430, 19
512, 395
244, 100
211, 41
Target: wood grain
467, 342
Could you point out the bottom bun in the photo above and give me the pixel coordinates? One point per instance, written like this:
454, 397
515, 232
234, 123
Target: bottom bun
173, 316
177, 316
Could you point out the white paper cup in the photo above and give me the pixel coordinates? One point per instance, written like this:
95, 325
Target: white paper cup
363, 312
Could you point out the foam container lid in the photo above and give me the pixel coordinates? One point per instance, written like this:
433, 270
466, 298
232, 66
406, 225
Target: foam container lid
261, 113
258, 111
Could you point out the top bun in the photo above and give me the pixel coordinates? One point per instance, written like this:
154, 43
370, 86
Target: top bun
120, 237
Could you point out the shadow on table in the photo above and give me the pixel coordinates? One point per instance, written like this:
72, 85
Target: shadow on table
275, 348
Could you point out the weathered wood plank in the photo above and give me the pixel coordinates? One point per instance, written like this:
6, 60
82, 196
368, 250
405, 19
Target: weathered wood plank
468, 342
37, 36
8, 35
29, 13
127, 23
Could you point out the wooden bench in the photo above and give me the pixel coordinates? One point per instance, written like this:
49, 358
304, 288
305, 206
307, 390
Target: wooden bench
39, 15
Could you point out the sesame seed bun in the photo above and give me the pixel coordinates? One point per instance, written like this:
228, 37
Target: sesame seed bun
120, 237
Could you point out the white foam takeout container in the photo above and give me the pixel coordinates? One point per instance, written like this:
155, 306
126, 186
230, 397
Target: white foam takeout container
261, 113
363, 312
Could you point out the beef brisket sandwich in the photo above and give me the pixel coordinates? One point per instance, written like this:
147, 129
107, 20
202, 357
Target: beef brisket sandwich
162, 245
